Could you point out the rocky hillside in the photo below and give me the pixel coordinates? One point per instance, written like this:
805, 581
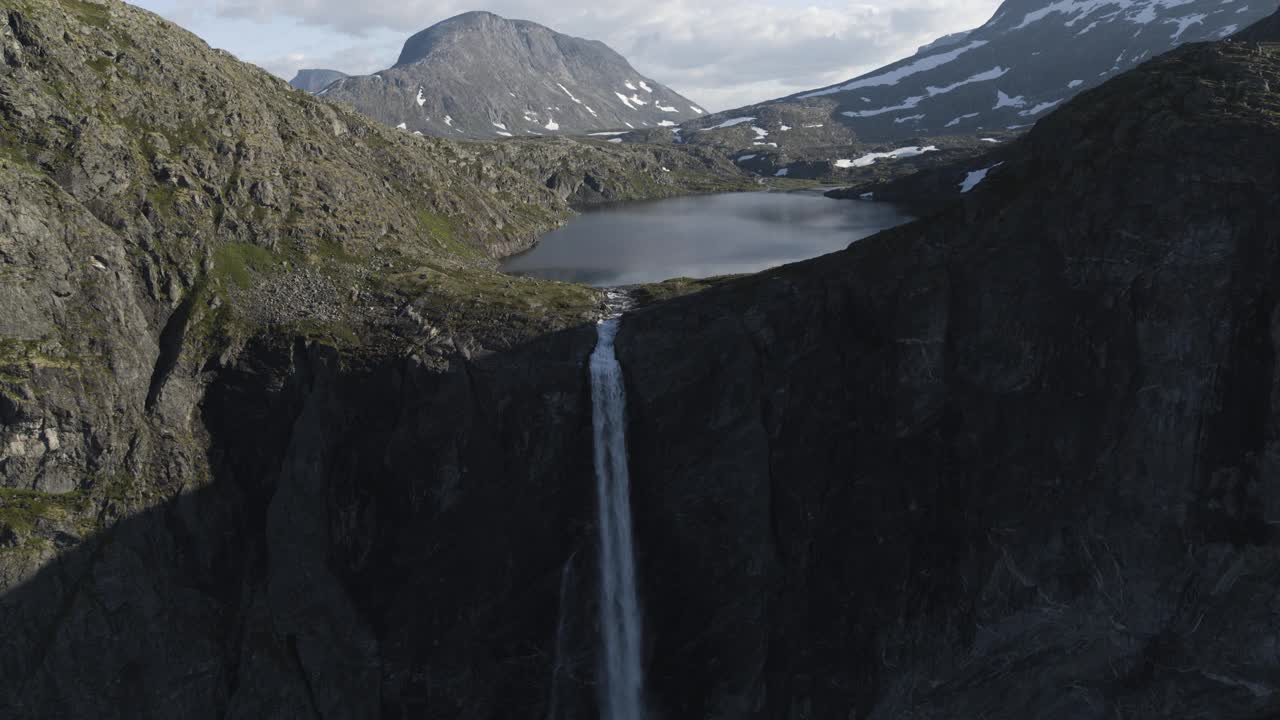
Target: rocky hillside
276, 442
1032, 56
313, 81
162, 205
478, 75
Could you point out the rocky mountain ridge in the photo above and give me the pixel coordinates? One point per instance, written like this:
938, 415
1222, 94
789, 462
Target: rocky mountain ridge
313, 81
1032, 56
479, 75
164, 204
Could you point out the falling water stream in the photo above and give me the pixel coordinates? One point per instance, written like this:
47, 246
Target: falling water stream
622, 684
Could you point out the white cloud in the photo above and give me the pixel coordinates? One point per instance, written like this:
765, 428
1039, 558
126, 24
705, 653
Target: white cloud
722, 55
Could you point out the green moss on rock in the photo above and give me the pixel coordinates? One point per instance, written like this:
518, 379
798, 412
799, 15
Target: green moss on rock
88, 13
676, 287
240, 264
22, 511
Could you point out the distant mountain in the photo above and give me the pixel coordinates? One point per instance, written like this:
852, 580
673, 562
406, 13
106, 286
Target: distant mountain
479, 75
313, 81
1028, 59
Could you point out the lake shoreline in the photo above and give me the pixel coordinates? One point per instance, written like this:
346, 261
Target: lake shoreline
646, 241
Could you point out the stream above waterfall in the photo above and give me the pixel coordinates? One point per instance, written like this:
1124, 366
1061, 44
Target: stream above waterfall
700, 236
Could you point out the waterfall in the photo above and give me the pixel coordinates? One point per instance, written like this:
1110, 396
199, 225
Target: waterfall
563, 662
623, 683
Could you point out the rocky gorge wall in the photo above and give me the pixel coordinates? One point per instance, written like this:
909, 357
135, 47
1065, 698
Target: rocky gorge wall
385, 541
1015, 461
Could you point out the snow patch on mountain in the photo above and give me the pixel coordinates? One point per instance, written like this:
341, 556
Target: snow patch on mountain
975, 178
893, 77
731, 122
1040, 108
1139, 12
1003, 101
1186, 22
872, 158
566, 92
956, 121
931, 91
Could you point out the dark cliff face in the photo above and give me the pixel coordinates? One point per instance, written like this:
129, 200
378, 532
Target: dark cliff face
380, 541
1015, 461
479, 75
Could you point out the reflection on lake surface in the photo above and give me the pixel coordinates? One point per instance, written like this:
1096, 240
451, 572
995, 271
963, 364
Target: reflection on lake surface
700, 236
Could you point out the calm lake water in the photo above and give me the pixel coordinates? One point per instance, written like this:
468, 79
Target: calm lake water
700, 237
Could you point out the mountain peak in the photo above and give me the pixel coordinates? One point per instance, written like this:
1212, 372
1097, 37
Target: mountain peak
315, 80
421, 44
481, 75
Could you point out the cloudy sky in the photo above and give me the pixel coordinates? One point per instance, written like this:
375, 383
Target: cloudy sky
721, 54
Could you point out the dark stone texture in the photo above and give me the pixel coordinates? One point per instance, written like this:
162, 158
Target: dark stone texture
385, 541
1017, 460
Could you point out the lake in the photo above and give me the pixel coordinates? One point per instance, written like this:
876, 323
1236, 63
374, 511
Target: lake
700, 236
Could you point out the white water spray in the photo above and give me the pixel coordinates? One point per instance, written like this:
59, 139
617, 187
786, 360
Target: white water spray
561, 672
623, 682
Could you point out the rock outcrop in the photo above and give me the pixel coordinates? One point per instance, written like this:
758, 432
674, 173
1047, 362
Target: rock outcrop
478, 75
